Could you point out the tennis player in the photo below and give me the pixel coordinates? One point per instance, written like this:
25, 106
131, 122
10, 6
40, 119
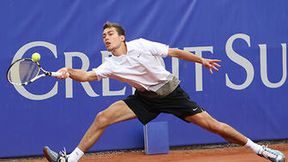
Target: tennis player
138, 63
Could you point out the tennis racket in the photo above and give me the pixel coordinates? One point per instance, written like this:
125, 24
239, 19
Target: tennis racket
25, 71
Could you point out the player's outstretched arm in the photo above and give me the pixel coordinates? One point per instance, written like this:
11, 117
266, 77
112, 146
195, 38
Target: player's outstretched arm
211, 64
77, 74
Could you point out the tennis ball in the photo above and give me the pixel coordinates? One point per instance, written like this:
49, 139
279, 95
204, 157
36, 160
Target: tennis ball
36, 57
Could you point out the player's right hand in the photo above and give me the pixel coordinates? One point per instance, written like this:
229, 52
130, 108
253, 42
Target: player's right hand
64, 73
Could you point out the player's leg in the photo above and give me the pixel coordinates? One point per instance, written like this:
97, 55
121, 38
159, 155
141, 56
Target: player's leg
117, 112
204, 120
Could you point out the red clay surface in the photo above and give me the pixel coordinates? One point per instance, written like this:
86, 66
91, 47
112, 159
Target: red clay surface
223, 154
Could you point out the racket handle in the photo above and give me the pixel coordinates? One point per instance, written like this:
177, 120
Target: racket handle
56, 74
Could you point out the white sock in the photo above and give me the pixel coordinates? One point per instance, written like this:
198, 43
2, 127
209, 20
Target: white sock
75, 155
253, 146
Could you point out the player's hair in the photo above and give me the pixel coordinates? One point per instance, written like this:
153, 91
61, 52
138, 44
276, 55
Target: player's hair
120, 30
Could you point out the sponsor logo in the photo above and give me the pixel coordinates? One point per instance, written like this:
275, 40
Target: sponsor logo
231, 53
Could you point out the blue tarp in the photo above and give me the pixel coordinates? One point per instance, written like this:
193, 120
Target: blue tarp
249, 92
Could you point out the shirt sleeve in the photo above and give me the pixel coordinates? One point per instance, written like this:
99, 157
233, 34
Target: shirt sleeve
155, 48
102, 71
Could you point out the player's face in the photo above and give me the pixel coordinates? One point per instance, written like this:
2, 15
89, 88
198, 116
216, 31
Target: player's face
112, 39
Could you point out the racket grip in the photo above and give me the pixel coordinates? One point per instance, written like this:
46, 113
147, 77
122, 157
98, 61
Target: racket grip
56, 74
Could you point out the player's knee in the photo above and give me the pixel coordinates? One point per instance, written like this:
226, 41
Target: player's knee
101, 120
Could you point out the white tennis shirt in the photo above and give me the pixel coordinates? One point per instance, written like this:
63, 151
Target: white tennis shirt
142, 66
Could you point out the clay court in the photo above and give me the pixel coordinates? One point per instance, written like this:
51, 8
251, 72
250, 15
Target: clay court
218, 153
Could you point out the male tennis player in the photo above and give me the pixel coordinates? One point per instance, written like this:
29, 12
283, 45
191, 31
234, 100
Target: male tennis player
138, 63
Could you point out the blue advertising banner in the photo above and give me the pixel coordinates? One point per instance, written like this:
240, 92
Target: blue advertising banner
249, 92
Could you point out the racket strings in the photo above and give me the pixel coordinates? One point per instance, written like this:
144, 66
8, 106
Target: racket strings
23, 71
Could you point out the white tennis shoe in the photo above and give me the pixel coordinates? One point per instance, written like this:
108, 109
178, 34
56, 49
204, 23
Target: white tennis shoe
52, 156
272, 155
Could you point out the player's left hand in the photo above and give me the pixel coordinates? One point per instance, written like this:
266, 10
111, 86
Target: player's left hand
211, 64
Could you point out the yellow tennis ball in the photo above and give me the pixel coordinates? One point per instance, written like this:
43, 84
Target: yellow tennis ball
36, 57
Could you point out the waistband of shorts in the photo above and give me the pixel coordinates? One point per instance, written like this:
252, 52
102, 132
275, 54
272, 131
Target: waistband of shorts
163, 91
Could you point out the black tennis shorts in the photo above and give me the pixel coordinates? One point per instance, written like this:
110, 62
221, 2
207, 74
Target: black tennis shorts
148, 106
